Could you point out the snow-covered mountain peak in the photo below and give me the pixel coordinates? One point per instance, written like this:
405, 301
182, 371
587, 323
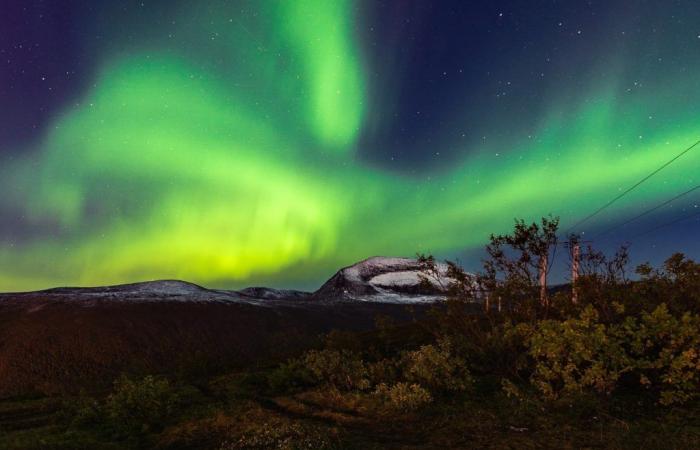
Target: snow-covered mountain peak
385, 279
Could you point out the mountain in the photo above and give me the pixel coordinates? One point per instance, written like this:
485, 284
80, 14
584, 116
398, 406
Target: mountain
159, 287
165, 291
384, 280
378, 279
63, 339
158, 290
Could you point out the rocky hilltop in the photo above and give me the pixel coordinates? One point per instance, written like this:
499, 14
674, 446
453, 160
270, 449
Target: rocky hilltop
384, 280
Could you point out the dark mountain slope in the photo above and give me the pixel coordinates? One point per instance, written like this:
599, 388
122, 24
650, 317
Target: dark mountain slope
65, 339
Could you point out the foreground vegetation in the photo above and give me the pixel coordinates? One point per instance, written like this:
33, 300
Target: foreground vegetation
611, 361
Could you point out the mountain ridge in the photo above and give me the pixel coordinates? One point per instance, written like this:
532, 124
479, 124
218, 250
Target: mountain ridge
62, 339
375, 279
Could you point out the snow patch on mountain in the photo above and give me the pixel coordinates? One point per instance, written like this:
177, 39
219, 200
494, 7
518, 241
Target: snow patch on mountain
386, 280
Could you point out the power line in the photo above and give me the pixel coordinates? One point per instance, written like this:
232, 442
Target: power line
667, 224
608, 204
648, 211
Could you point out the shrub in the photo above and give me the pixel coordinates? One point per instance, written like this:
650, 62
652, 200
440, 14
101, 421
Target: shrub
677, 284
435, 368
658, 350
576, 355
139, 406
285, 436
290, 376
383, 371
667, 353
403, 397
342, 369
82, 410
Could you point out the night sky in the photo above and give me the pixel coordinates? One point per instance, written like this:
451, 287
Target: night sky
233, 143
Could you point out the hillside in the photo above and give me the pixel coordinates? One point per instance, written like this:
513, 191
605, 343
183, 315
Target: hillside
64, 338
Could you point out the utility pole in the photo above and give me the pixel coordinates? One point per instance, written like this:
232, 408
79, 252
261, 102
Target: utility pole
543, 278
575, 262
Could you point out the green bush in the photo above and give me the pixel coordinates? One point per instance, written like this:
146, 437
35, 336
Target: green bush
677, 284
383, 371
139, 406
666, 350
403, 397
290, 376
576, 355
580, 355
342, 369
283, 436
82, 410
434, 367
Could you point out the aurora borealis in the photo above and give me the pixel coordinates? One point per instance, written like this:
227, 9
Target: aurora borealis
236, 143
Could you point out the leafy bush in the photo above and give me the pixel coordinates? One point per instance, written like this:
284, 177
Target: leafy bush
404, 397
677, 283
435, 368
82, 410
291, 375
383, 371
659, 350
342, 369
431, 367
667, 353
139, 406
284, 436
576, 354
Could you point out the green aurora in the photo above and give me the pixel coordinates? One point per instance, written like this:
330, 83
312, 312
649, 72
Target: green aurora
247, 169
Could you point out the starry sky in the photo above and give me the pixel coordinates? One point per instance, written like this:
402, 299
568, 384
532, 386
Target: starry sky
235, 143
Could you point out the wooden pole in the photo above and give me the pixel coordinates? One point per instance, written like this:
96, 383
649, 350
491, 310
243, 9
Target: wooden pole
575, 263
543, 279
